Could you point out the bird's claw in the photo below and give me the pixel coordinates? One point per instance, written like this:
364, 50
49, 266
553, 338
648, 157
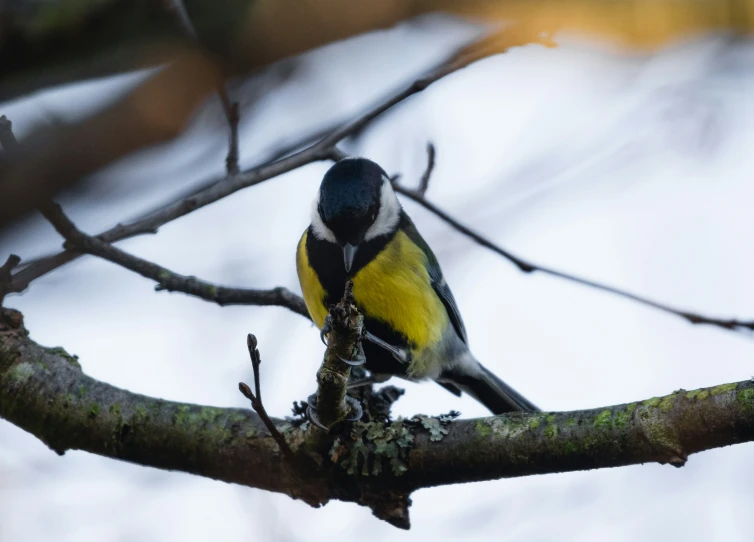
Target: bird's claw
311, 411
326, 329
312, 416
352, 362
359, 359
356, 411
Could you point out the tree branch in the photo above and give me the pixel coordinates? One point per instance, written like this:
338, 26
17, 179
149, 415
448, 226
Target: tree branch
229, 108
166, 279
44, 391
418, 196
56, 157
323, 149
344, 329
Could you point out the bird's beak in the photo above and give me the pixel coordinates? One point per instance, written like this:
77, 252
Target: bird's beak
349, 253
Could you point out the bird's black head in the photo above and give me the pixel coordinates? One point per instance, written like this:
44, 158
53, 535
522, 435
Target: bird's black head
355, 203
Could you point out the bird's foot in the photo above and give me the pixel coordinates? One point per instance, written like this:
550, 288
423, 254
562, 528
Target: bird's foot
326, 329
355, 410
359, 359
311, 411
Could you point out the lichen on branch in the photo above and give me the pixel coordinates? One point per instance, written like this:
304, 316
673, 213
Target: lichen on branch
377, 463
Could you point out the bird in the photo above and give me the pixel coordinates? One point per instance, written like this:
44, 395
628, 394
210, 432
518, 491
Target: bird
413, 328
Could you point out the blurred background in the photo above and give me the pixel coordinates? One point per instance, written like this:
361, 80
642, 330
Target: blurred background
624, 164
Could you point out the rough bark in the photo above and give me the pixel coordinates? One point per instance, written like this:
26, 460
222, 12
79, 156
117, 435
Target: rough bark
342, 344
45, 392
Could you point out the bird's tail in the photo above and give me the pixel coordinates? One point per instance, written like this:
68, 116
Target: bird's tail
492, 392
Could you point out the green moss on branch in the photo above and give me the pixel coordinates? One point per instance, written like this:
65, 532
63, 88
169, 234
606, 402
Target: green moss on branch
375, 464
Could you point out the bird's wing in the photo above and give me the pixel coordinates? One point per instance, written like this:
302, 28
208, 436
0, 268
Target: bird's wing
435, 275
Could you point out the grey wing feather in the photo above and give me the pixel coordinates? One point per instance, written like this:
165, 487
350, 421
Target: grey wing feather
446, 296
435, 274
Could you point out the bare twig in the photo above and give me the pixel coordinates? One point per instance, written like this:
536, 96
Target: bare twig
165, 278
230, 108
231, 161
529, 267
256, 400
424, 181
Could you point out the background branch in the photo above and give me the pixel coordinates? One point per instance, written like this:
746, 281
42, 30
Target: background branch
45, 392
54, 158
166, 279
418, 196
323, 149
45, 44
230, 108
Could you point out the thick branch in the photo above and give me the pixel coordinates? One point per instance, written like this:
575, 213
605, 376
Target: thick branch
45, 392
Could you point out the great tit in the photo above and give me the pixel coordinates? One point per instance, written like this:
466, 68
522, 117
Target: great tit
359, 231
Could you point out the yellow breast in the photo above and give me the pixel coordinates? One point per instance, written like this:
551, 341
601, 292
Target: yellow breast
314, 294
395, 287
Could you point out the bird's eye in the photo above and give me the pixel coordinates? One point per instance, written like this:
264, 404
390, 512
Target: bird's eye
374, 216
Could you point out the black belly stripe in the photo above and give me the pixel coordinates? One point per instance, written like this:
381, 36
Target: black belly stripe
326, 259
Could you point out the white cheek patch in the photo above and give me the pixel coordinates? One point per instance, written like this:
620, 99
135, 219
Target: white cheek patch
389, 215
320, 230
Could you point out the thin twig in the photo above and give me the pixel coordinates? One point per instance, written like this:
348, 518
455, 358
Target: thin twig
424, 181
231, 161
529, 267
256, 400
229, 107
256, 361
165, 278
